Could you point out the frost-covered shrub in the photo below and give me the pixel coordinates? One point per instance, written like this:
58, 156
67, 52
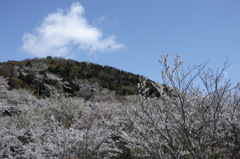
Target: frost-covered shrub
99, 125
56, 127
186, 121
191, 121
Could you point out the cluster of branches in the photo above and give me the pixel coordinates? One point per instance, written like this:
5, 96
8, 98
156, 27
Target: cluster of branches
190, 121
59, 127
186, 121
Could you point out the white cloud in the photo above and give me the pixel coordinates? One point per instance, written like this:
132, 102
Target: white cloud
62, 32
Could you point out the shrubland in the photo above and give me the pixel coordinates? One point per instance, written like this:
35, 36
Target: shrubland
196, 115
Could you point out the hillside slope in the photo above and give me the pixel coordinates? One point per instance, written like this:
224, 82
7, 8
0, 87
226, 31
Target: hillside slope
69, 76
187, 122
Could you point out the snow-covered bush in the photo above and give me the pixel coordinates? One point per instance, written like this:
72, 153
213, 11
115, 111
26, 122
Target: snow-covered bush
56, 127
189, 121
196, 116
99, 125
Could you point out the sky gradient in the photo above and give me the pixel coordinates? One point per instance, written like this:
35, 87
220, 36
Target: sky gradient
129, 34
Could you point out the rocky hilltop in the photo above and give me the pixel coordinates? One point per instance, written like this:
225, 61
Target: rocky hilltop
46, 75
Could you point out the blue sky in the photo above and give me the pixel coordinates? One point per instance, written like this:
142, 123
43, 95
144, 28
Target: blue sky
126, 34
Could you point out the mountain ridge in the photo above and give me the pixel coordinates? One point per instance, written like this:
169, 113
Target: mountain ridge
70, 76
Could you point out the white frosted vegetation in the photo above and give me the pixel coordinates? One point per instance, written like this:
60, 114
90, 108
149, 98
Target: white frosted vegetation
55, 128
187, 121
